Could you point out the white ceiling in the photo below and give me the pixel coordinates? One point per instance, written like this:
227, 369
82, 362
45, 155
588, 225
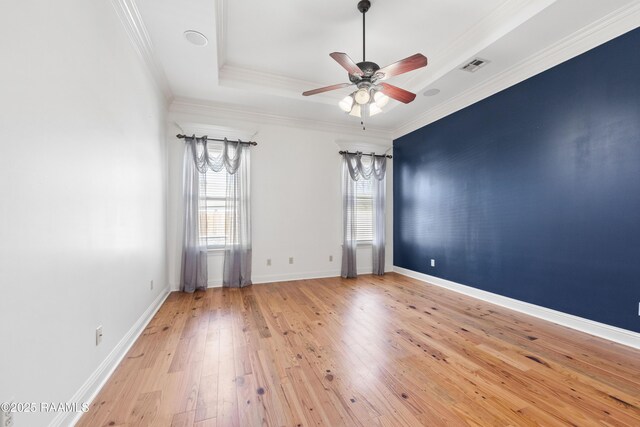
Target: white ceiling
262, 54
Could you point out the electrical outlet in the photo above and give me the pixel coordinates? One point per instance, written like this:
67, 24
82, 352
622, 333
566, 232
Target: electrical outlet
268, 262
290, 260
98, 335
6, 418
433, 263
151, 285
330, 258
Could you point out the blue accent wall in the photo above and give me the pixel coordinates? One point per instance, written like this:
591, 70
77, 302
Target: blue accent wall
534, 192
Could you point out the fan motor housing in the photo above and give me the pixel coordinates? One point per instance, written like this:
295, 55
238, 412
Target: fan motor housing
368, 68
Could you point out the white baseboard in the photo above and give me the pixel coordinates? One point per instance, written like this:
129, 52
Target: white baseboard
98, 379
257, 280
612, 333
217, 283
270, 278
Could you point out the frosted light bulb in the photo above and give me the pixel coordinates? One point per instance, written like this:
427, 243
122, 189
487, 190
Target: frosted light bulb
380, 99
346, 104
362, 96
374, 109
355, 111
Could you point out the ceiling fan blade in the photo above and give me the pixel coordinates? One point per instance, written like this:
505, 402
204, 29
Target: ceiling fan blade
347, 63
398, 94
326, 89
403, 66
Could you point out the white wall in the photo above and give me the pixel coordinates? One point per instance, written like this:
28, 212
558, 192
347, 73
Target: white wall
296, 201
82, 195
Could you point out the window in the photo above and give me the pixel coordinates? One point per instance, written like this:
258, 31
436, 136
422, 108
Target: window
213, 187
364, 209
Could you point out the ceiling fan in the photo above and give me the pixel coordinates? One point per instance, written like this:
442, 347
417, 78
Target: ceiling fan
372, 93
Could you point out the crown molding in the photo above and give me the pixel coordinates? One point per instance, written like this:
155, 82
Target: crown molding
609, 27
193, 128
275, 84
236, 77
500, 22
221, 31
363, 146
131, 20
232, 112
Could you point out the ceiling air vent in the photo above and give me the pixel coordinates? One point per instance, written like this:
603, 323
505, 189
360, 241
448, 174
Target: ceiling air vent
474, 65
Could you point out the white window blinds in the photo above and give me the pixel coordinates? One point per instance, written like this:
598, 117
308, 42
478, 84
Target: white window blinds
213, 187
364, 209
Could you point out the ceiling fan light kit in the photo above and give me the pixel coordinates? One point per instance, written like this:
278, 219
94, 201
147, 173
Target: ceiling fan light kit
371, 95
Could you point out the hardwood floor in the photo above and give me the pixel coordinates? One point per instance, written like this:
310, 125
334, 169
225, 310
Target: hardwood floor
372, 351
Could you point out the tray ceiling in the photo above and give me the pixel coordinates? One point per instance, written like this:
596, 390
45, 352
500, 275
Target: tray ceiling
262, 55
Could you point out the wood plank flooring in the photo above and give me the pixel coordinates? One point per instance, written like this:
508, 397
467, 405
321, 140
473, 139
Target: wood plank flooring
372, 351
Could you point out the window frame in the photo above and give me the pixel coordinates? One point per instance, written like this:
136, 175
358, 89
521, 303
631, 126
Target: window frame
223, 201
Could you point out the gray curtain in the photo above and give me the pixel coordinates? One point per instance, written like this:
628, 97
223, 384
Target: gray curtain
193, 273
349, 238
354, 169
379, 237
237, 250
232, 159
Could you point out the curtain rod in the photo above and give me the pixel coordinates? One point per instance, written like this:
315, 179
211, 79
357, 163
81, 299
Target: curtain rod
388, 156
180, 136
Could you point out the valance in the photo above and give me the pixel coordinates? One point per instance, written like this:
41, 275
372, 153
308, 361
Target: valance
357, 169
203, 158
